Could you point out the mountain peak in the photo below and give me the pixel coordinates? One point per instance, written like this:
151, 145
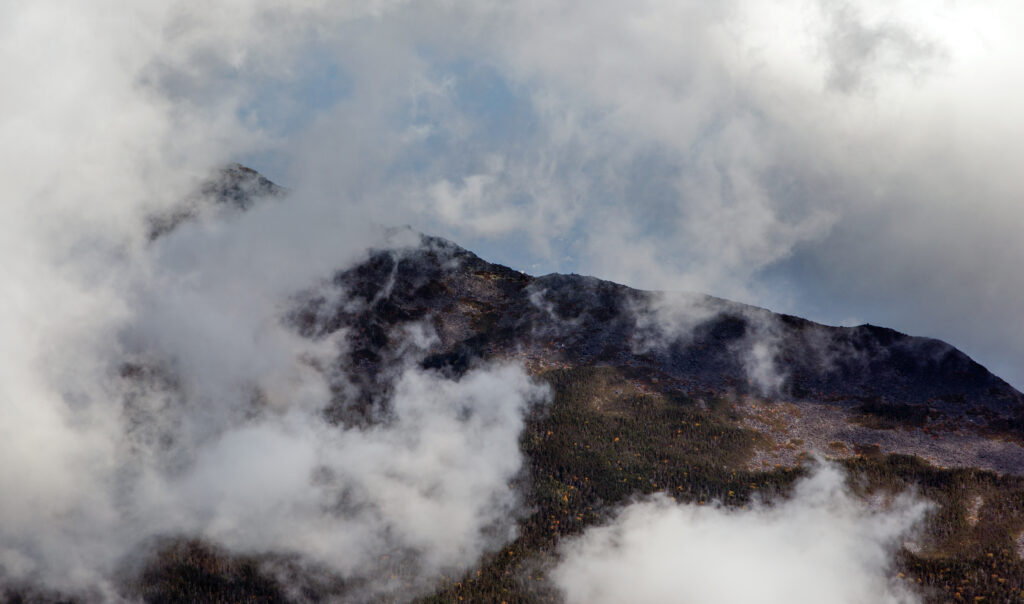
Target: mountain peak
232, 187
239, 186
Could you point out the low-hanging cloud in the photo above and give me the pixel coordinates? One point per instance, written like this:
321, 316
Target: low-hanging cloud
821, 545
430, 488
201, 414
155, 388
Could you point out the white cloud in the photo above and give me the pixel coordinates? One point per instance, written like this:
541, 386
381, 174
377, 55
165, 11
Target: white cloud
821, 545
432, 484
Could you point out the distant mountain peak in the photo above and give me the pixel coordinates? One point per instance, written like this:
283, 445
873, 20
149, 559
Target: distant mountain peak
240, 186
233, 186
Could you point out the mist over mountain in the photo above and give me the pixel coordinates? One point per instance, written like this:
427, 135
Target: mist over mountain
698, 301
421, 424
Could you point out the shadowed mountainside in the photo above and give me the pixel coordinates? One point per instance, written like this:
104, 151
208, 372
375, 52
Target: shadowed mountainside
481, 311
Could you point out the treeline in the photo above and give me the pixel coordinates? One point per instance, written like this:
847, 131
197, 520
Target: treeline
965, 554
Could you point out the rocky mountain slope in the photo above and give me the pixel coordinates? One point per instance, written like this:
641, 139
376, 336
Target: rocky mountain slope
698, 397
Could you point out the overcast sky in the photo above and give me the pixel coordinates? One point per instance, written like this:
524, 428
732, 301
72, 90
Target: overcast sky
845, 161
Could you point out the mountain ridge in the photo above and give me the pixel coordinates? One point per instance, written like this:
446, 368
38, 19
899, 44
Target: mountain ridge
239, 187
489, 309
